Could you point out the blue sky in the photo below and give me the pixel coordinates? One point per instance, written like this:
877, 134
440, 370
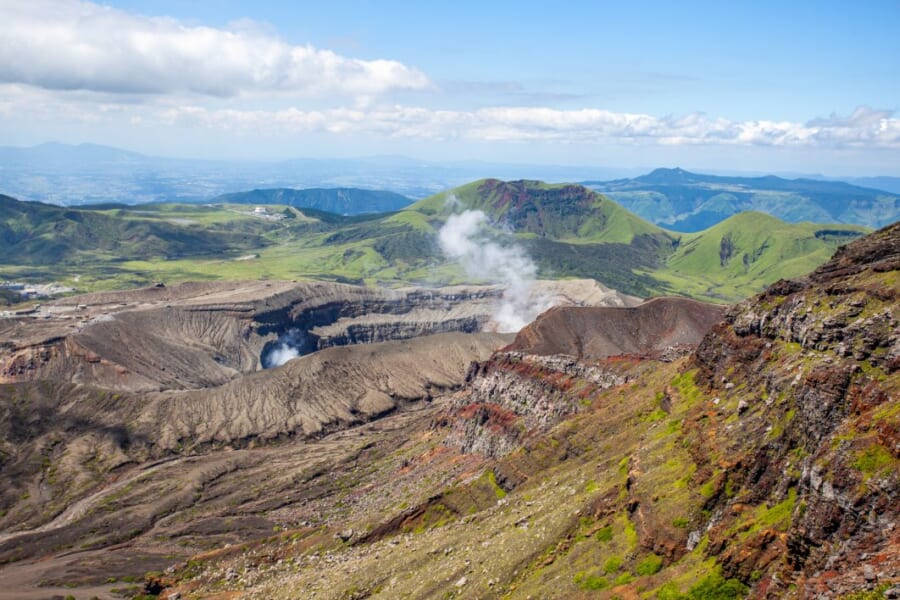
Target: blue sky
761, 86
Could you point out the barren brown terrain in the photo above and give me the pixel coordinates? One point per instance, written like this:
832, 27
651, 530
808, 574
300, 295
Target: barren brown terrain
141, 427
600, 332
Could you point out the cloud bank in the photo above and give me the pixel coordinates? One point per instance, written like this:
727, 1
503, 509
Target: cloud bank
74, 45
866, 128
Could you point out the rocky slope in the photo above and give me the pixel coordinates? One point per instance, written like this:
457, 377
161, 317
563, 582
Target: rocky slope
811, 368
764, 464
111, 403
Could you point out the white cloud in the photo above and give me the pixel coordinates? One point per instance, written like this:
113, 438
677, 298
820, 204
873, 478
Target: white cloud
523, 124
74, 45
864, 129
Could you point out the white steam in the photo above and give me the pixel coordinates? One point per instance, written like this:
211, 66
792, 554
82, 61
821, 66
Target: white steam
280, 355
464, 238
290, 344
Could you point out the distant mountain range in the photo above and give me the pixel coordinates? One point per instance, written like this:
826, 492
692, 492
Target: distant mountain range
683, 201
341, 201
567, 230
672, 198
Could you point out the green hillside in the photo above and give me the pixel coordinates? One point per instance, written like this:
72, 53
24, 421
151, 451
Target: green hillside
342, 201
729, 260
567, 213
567, 230
36, 234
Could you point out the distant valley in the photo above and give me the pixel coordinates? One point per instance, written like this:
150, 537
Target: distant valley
689, 202
90, 173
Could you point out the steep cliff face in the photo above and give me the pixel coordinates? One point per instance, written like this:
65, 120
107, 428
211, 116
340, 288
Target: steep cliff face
555, 367
513, 397
810, 369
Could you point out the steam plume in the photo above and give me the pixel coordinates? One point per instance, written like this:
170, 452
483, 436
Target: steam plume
288, 346
464, 238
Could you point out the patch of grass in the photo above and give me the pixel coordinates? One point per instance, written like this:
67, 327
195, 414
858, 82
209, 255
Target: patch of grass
650, 565
876, 594
612, 564
591, 582
716, 587
687, 387
631, 536
491, 477
779, 515
604, 534
708, 489
657, 415
779, 426
873, 460
670, 591
889, 411
712, 587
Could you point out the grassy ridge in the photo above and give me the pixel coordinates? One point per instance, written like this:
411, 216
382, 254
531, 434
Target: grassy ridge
730, 259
